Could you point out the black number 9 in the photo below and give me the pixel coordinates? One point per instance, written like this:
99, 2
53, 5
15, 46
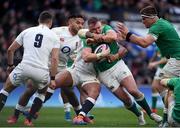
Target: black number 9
38, 40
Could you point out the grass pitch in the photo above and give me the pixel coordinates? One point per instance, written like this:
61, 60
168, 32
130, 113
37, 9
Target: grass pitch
104, 117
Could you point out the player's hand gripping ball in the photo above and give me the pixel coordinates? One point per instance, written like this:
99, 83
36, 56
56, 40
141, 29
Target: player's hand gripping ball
104, 50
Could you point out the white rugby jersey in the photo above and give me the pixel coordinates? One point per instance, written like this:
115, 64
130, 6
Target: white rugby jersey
38, 43
83, 66
69, 45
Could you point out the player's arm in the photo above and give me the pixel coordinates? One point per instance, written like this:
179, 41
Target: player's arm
142, 41
10, 55
54, 62
153, 58
164, 82
10, 52
109, 37
121, 53
163, 60
54, 65
88, 56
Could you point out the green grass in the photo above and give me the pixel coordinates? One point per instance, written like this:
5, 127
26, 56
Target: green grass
104, 117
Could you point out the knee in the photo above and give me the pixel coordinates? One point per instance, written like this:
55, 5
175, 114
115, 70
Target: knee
29, 92
63, 80
127, 102
135, 93
94, 92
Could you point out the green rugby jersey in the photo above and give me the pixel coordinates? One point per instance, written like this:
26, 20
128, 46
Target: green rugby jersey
105, 65
70, 62
160, 56
174, 84
168, 40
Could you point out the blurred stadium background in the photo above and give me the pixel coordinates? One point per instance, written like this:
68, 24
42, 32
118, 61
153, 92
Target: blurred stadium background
17, 15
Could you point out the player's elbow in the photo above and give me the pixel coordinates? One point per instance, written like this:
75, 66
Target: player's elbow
10, 50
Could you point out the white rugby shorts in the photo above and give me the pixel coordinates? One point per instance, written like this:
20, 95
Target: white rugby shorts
113, 76
23, 72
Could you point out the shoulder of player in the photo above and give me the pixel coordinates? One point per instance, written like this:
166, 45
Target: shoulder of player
60, 29
107, 28
28, 30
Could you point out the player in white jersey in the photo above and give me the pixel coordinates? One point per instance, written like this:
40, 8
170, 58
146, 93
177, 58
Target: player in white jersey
81, 74
69, 44
39, 44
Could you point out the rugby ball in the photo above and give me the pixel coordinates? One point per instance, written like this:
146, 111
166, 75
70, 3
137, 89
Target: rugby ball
102, 48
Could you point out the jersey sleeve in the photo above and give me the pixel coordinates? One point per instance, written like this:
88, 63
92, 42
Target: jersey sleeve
56, 42
54, 30
19, 38
107, 28
155, 31
173, 82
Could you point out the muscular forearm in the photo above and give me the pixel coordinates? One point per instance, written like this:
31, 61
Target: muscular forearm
54, 65
91, 57
10, 55
138, 40
109, 38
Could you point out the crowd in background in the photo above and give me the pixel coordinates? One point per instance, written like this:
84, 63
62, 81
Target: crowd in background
21, 14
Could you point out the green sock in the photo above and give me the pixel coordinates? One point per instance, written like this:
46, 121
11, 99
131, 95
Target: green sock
133, 108
143, 103
154, 101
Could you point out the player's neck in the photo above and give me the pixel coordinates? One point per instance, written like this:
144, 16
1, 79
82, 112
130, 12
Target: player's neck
155, 20
47, 25
73, 33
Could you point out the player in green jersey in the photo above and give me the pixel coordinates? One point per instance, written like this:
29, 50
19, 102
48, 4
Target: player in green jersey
163, 34
173, 100
115, 75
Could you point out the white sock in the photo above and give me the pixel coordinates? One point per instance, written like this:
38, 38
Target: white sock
67, 107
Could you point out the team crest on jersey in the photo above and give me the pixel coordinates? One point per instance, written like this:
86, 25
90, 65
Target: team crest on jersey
62, 39
66, 50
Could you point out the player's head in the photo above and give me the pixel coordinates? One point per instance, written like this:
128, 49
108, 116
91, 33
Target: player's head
45, 18
75, 23
149, 15
94, 25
